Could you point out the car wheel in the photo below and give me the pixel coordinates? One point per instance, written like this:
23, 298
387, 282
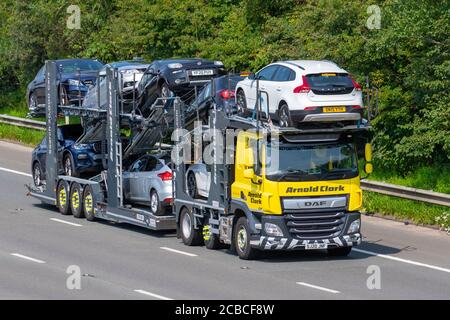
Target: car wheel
284, 116
192, 186
165, 92
89, 203
63, 99
76, 203
155, 204
37, 175
69, 168
241, 102
339, 252
32, 102
189, 235
241, 240
62, 197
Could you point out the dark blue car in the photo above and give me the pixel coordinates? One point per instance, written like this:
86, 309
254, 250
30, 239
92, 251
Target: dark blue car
74, 159
75, 77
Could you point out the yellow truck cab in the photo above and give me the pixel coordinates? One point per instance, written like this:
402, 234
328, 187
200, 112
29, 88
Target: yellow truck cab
285, 189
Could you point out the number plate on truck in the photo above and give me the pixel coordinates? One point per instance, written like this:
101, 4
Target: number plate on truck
316, 246
334, 109
197, 73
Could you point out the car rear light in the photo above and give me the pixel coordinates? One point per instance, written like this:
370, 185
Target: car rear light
310, 108
168, 200
356, 107
165, 176
356, 85
304, 88
227, 94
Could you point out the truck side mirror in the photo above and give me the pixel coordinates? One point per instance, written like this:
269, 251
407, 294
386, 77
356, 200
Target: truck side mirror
368, 152
368, 168
249, 173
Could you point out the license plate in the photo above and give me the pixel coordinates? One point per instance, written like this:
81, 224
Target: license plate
316, 246
197, 73
334, 109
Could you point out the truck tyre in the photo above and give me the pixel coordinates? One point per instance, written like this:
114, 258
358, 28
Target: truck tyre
76, 200
339, 252
155, 204
189, 235
62, 197
89, 203
211, 240
241, 240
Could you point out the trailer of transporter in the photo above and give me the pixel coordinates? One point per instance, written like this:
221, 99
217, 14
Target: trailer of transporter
102, 195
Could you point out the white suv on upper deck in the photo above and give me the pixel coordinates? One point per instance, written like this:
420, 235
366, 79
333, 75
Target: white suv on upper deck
303, 91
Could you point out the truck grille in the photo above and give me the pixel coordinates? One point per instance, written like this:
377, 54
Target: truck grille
315, 225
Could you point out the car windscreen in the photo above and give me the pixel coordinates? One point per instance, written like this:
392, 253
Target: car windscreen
324, 83
71, 132
307, 162
72, 66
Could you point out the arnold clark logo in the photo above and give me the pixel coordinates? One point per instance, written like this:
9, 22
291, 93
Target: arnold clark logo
316, 189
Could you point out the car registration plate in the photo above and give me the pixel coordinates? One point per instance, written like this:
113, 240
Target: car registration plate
316, 246
197, 73
334, 109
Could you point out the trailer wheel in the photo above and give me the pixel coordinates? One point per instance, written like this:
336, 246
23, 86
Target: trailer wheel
89, 203
211, 240
241, 240
189, 235
62, 197
76, 201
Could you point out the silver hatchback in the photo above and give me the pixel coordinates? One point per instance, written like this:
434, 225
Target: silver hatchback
148, 181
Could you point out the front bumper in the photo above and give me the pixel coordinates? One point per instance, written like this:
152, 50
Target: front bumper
288, 243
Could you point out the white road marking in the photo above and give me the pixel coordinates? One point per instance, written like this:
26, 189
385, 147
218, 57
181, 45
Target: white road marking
420, 264
180, 252
66, 222
18, 255
317, 287
157, 296
16, 172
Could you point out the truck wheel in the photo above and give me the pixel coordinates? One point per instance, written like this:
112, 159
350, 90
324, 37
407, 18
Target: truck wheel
155, 204
76, 203
211, 240
339, 252
62, 197
89, 203
189, 235
241, 240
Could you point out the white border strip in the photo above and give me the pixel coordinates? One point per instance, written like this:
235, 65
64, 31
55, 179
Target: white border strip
157, 296
18, 255
16, 172
420, 264
66, 222
317, 287
180, 252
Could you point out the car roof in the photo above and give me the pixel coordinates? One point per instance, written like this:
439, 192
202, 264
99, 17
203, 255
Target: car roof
77, 59
186, 60
314, 66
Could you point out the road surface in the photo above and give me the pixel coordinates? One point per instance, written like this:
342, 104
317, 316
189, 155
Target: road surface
38, 245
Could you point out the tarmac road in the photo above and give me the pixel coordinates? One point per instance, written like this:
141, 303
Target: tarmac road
37, 245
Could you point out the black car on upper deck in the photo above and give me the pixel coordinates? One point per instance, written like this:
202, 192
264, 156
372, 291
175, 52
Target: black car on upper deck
165, 78
74, 78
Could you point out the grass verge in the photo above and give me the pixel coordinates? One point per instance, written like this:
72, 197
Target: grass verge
420, 213
25, 136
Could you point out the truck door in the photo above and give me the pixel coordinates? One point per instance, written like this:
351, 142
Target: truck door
247, 186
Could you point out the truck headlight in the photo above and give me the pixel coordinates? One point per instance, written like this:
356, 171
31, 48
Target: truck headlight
272, 229
354, 226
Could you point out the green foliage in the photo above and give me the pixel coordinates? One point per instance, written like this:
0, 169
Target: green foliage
408, 58
26, 136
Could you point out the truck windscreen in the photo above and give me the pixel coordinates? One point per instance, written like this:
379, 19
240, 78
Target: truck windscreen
303, 162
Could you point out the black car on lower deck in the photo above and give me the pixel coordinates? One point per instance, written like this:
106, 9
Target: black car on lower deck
74, 78
220, 90
179, 77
